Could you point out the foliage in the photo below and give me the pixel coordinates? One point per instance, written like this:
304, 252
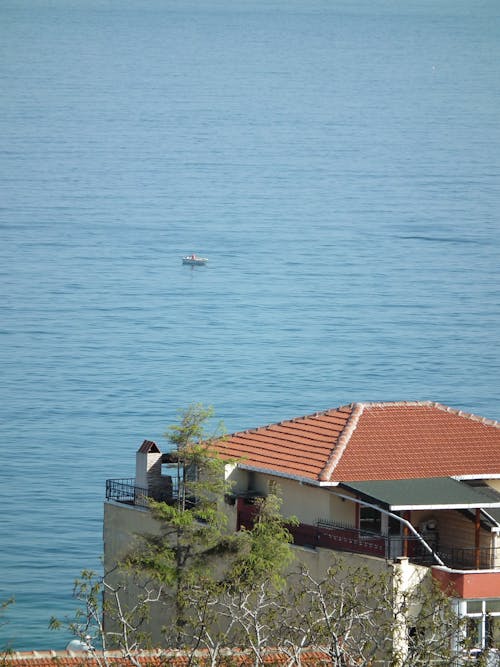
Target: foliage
264, 551
345, 615
237, 605
218, 590
217, 584
193, 528
198, 467
4, 650
128, 620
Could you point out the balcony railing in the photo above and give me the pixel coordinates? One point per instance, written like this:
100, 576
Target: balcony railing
328, 535
471, 559
125, 491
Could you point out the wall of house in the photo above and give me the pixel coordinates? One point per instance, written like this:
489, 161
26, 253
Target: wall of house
122, 523
454, 529
307, 502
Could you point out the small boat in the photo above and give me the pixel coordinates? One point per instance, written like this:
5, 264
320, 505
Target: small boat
194, 260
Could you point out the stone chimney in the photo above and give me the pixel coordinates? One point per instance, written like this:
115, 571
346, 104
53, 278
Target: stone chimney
148, 466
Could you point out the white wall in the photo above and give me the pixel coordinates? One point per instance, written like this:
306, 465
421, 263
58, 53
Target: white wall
307, 502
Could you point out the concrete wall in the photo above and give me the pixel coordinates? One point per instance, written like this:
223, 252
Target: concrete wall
123, 524
307, 502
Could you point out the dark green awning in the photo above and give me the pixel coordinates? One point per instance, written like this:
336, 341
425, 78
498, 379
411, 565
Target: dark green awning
434, 493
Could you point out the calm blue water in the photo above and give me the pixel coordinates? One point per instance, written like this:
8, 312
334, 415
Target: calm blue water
337, 161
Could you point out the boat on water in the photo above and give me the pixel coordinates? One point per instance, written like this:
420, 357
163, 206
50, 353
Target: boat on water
194, 260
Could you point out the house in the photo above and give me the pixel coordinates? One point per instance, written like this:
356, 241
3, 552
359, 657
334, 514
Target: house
411, 482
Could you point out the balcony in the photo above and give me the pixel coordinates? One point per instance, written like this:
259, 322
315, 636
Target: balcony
354, 540
125, 491
329, 535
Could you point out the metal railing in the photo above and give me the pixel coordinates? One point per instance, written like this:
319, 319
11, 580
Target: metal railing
341, 537
328, 535
459, 558
125, 491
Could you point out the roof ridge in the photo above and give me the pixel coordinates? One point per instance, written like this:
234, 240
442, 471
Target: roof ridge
395, 404
342, 441
434, 404
466, 415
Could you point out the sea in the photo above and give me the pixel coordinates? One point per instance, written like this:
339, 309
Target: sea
337, 162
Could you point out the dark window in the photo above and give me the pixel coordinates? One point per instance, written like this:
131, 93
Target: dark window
370, 520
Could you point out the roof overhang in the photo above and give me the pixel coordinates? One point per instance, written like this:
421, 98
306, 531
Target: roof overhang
489, 475
285, 475
436, 493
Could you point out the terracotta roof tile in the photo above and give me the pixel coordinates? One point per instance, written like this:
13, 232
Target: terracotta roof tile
298, 447
148, 447
370, 441
152, 659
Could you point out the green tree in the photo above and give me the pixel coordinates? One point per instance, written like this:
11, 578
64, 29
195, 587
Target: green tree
218, 585
4, 650
237, 605
192, 535
216, 589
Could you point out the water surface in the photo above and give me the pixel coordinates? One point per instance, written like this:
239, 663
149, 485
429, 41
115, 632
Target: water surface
337, 162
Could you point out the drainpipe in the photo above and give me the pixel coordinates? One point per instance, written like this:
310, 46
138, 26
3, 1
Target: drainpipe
406, 524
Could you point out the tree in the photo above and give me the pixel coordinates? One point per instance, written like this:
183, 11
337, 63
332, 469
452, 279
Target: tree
433, 633
115, 608
346, 615
192, 535
88, 627
5, 650
358, 617
217, 590
250, 591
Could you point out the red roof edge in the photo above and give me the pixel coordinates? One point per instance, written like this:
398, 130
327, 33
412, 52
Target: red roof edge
149, 447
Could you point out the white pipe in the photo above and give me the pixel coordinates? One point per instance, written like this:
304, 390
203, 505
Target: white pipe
395, 516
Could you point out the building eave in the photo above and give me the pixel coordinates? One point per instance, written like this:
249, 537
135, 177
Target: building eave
489, 475
285, 475
450, 506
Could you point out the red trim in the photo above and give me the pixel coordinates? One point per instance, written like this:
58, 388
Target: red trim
469, 585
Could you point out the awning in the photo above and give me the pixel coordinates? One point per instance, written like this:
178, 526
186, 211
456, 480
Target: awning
436, 493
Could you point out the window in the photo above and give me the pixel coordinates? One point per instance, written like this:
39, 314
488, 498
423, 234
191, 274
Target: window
170, 470
370, 520
483, 623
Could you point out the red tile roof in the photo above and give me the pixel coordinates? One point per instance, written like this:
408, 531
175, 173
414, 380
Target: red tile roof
148, 447
151, 659
372, 441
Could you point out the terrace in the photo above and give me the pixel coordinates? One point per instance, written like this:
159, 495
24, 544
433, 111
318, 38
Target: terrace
328, 534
